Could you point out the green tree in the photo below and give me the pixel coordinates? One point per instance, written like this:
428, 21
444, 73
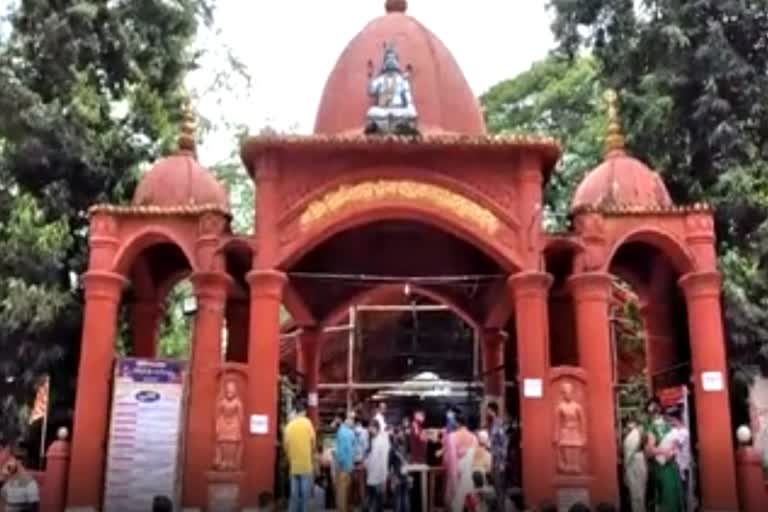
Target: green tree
694, 82
89, 91
561, 98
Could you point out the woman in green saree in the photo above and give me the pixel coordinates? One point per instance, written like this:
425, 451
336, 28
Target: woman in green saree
662, 447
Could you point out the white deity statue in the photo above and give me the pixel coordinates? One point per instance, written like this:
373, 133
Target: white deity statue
393, 110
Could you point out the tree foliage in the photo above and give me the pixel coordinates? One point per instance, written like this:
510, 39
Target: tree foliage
561, 98
89, 92
694, 82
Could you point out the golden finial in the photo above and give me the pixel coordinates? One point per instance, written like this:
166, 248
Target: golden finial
614, 140
187, 140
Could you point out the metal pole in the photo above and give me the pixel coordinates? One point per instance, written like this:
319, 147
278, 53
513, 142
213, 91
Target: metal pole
413, 385
351, 354
403, 307
476, 353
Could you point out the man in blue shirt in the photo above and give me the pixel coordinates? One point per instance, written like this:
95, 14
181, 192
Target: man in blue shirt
345, 461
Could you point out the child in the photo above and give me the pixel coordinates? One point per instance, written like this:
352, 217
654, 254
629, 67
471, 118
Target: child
476, 500
317, 501
266, 502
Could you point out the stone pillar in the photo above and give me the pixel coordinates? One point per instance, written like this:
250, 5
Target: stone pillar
263, 370
211, 290
145, 324
753, 494
237, 331
529, 294
86, 477
54, 492
309, 346
494, 342
591, 294
717, 470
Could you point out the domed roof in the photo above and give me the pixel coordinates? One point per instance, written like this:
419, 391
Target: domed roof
442, 96
180, 180
620, 180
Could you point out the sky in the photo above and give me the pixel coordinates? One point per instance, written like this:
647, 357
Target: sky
290, 47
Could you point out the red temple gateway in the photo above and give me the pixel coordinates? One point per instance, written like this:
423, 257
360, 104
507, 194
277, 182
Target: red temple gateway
408, 184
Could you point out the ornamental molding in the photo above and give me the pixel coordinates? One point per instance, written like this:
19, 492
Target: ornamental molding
452, 203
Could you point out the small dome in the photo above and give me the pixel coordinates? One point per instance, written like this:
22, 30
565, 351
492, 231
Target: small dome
442, 96
180, 180
621, 180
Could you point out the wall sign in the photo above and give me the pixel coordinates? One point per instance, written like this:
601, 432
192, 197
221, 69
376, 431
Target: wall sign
533, 388
146, 428
712, 381
259, 424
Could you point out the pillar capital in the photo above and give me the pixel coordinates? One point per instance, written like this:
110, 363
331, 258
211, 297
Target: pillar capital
267, 283
701, 284
591, 286
103, 285
527, 284
211, 286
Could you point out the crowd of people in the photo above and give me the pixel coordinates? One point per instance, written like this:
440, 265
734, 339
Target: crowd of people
658, 465
375, 462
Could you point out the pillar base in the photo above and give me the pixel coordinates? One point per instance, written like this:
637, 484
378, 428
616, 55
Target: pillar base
224, 491
570, 490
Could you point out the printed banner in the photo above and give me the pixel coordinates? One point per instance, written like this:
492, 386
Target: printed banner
146, 429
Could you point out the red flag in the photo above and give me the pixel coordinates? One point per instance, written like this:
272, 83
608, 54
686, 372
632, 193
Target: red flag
40, 408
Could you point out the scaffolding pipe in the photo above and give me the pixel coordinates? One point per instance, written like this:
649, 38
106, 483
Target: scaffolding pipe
351, 353
412, 385
403, 307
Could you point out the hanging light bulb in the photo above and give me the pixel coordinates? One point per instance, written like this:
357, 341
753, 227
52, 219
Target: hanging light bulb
407, 289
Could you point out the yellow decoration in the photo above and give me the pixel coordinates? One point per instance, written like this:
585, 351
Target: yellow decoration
614, 140
369, 191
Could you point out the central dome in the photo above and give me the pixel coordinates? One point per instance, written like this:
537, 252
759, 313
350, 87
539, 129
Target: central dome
442, 96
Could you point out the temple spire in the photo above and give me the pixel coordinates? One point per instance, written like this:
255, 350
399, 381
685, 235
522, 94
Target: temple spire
396, 6
187, 140
614, 139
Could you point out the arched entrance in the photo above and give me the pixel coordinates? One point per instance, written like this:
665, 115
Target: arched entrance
398, 297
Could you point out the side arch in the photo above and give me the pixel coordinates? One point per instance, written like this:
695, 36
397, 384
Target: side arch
503, 254
144, 239
666, 243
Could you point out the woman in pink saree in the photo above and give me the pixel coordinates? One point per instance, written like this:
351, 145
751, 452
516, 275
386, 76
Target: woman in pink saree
464, 445
448, 452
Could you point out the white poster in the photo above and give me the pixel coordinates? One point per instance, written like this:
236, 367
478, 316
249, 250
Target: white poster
259, 424
533, 388
145, 438
712, 381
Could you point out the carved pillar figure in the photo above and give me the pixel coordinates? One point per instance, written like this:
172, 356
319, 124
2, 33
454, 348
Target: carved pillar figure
230, 419
263, 370
591, 295
145, 323
570, 432
717, 469
86, 475
529, 293
494, 342
309, 346
211, 290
